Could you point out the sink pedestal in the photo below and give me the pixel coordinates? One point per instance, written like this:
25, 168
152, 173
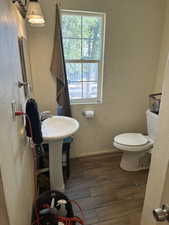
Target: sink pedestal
55, 165
54, 130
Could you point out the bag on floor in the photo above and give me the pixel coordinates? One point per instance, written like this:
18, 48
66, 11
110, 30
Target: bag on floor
54, 208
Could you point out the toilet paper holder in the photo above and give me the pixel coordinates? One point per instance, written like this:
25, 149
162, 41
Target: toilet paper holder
88, 114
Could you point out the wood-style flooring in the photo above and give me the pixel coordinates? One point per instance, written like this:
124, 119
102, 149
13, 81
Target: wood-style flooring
107, 194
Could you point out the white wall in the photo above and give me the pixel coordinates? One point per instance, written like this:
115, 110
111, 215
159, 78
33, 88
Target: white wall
133, 40
15, 156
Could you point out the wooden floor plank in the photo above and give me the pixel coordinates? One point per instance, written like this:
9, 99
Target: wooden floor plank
107, 194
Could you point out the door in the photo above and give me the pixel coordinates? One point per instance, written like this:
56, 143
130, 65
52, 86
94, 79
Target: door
157, 192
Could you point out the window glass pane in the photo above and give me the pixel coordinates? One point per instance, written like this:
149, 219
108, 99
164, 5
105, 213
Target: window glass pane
89, 89
82, 41
91, 49
74, 71
91, 26
72, 48
75, 90
90, 71
71, 26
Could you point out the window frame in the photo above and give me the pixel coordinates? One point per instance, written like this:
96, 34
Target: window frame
99, 98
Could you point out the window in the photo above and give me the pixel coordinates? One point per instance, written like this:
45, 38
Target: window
83, 41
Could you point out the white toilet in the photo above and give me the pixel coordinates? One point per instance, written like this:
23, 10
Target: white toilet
137, 147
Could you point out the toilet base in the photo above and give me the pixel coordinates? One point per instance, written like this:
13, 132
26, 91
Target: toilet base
135, 161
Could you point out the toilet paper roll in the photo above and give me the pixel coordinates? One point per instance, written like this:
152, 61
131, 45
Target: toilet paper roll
89, 114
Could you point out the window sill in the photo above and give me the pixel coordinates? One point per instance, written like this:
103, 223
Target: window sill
86, 102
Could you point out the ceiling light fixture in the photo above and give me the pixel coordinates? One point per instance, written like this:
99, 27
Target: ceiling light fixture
31, 11
34, 14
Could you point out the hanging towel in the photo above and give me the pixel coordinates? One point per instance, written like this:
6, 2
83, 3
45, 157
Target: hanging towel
58, 69
33, 114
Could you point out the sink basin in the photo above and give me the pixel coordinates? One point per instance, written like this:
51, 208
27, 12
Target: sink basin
59, 127
54, 130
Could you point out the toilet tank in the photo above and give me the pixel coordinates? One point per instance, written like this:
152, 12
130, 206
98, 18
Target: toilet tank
152, 124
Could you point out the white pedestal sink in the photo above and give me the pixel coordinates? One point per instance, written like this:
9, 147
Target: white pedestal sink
54, 130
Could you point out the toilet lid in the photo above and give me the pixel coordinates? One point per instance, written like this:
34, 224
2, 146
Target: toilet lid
131, 139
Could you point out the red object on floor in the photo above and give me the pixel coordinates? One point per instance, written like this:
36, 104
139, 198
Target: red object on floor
70, 221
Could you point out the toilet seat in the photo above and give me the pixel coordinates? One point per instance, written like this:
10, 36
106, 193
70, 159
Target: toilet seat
133, 142
131, 139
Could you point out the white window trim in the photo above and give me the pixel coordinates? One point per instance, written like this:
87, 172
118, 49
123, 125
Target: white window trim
99, 98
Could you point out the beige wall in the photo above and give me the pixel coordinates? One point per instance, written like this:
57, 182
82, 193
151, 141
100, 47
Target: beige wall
41, 43
163, 53
133, 40
15, 156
